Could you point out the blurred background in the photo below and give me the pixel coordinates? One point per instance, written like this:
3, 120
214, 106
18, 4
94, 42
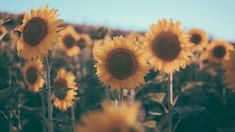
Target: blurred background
215, 17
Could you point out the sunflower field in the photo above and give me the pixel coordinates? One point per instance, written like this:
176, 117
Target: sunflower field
61, 77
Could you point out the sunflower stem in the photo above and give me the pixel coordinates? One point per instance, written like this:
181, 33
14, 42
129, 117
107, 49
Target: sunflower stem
121, 97
49, 103
170, 100
132, 96
197, 67
18, 117
73, 118
42, 96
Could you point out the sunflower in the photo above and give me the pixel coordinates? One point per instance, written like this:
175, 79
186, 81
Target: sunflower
96, 45
198, 38
65, 80
168, 46
84, 41
31, 75
68, 41
111, 119
39, 33
121, 63
218, 51
135, 35
229, 67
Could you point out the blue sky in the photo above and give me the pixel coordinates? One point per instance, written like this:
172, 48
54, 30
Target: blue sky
216, 17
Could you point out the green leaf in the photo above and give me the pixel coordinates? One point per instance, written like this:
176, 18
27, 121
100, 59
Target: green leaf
157, 97
190, 85
150, 124
6, 92
32, 109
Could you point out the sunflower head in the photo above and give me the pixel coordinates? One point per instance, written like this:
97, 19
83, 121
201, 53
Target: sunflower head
121, 63
218, 51
68, 41
112, 119
198, 38
136, 35
84, 41
39, 33
65, 83
168, 46
31, 75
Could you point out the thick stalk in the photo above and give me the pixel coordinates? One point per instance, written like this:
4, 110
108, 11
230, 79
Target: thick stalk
49, 103
170, 99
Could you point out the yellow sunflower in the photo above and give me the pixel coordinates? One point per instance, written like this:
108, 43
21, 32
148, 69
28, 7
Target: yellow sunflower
229, 67
218, 51
84, 41
198, 38
39, 33
168, 46
121, 63
96, 45
111, 119
31, 75
65, 80
68, 41
135, 35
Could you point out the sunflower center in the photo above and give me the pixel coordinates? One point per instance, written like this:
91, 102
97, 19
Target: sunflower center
166, 46
196, 39
69, 41
121, 63
34, 31
31, 75
59, 84
219, 51
81, 43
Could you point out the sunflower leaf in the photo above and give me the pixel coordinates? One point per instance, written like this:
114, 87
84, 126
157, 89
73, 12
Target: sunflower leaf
158, 97
150, 124
190, 85
32, 109
6, 92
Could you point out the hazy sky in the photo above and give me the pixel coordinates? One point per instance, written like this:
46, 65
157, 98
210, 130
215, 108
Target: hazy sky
217, 17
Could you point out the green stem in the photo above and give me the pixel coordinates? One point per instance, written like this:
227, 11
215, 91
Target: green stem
49, 103
73, 118
197, 74
170, 99
19, 116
